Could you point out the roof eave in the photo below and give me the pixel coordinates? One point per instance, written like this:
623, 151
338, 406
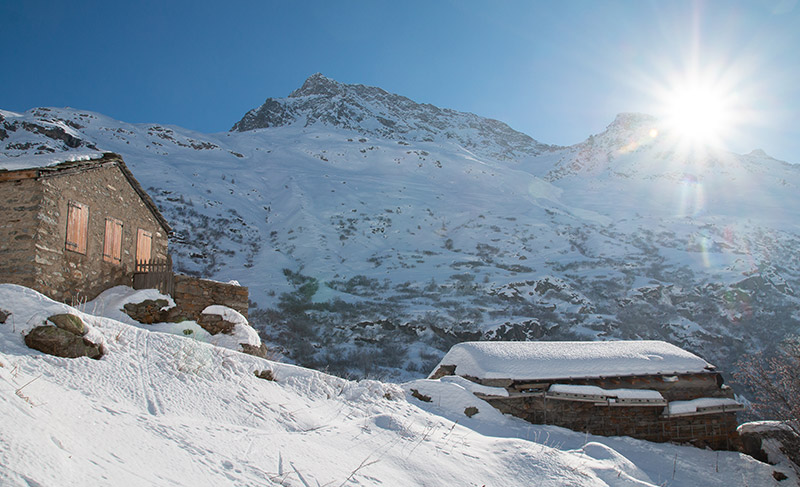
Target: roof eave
75, 166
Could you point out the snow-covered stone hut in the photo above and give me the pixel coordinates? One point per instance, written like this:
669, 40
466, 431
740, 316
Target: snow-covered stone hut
650, 390
72, 229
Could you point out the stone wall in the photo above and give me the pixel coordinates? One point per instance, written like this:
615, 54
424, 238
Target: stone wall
19, 210
681, 387
527, 400
192, 295
714, 430
69, 276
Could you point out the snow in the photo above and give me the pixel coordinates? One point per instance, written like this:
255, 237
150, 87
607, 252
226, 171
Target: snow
639, 394
242, 331
776, 440
110, 304
688, 407
763, 427
30, 309
560, 360
44, 160
454, 383
163, 410
227, 314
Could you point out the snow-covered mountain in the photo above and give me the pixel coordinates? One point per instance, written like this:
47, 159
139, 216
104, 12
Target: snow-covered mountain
374, 232
371, 111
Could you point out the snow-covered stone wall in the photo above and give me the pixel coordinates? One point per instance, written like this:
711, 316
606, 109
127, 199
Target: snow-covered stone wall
192, 295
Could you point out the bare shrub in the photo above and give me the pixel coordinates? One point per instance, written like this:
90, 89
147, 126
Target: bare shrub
775, 381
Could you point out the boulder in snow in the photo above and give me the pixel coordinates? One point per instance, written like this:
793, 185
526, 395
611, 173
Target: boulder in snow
150, 311
61, 343
215, 324
258, 351
231, 330
772, 442
69, 322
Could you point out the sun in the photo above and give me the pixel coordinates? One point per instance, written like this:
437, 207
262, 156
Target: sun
699, 113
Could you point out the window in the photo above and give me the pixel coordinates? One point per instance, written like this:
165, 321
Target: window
144, 240
77, 227
112, 246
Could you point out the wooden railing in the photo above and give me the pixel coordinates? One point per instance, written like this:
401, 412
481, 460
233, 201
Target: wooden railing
155, 274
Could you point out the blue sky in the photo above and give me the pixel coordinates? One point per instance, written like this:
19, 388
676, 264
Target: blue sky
558, 71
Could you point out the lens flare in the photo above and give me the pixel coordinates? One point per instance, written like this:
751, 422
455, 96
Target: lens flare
692, 199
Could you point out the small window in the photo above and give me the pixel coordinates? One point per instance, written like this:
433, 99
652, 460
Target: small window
77, 227
112, 246
144, 241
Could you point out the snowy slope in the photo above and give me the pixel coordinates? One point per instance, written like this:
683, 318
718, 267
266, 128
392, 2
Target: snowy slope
163, 410
382, 244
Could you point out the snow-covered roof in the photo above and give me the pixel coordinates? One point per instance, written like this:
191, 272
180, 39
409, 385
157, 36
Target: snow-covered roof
27, 168
633, 394
561, 360
30, 161
702, 405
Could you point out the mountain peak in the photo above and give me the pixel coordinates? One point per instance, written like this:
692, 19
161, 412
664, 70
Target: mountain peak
628, 121
317, 84
372, 111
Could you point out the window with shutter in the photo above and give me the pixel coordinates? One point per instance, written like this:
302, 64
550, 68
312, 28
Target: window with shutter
77, 227
144, 240
112, 246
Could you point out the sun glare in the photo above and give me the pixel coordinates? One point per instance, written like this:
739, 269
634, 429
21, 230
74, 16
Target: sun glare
697, 113
700, 113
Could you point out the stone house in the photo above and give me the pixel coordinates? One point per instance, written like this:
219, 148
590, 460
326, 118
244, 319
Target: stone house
650, 390
74, 229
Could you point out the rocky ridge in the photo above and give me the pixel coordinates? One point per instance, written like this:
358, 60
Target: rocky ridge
374, 112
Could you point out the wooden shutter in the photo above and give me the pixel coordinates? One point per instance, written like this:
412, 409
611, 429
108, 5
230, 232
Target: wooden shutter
77, 227
144, 240
112, 246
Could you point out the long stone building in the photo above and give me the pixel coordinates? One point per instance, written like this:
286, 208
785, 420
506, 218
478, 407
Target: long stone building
644, 389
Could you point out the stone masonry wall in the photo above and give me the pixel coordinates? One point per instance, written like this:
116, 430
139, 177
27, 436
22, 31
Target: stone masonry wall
19, 209
69, 276
680, 387
716, 430
192, 295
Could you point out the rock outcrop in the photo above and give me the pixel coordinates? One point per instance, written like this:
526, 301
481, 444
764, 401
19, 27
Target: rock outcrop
375, 112
65, 339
